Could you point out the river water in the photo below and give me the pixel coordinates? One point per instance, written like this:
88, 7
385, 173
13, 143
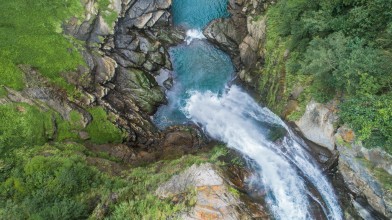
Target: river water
283, 169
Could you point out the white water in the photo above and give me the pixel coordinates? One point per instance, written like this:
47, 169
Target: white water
192, 34
235, 118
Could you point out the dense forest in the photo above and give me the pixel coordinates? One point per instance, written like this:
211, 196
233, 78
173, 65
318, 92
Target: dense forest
341, 50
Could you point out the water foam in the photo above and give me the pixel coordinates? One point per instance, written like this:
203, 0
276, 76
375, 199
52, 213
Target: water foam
234, 118
192, 34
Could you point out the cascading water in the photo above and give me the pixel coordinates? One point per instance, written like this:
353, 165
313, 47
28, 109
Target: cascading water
236, 119
291, 180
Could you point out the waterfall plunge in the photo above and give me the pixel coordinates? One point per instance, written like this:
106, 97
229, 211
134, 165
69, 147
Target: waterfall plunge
234, 118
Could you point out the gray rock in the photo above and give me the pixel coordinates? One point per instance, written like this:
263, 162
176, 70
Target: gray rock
105, 69
227, 34
146, 13
317, 125
141, 87
135, 57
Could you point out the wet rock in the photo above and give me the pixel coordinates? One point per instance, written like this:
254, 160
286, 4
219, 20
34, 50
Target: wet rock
168, 84
227, 34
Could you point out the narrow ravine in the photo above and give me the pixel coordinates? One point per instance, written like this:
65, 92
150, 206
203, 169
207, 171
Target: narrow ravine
292, 181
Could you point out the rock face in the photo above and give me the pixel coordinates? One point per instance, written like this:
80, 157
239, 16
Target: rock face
228, 34
365, 172
317, 125
122, 59
214, 200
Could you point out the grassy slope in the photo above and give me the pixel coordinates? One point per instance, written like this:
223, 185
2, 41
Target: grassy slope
30, 33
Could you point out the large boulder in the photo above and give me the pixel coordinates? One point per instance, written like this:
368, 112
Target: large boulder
213, 195
317, 125
146, 13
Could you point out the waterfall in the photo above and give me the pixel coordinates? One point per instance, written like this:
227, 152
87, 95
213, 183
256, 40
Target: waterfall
284, 167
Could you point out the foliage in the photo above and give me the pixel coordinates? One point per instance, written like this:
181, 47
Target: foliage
34, 37
101, 129
45, 183
109, 15
344, 47
140, 200
371, 117
68, 129
23, 125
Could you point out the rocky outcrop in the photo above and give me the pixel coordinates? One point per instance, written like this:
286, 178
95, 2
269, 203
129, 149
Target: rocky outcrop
214, 195
123, 57
365, 172
317, 124
228, 34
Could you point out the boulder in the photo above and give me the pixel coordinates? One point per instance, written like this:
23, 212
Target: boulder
214, 200
146, 13
317, 125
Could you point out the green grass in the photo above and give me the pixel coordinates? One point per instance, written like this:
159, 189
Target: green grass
34, 37
23, 125
101, 129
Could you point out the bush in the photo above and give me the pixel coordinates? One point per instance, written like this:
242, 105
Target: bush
344, 48
23, 125
48, 187
371, 118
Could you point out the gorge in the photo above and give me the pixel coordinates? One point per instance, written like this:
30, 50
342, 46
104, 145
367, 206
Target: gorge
161, 109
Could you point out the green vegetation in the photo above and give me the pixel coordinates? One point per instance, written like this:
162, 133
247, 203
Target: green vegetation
34, 37
56, 182
108, 14
338, 49
23, 125
48, 182
101, 130
27, 125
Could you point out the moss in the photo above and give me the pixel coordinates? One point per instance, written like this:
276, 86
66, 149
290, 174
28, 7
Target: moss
234, 192
384, 178
108, 14
101, 130
68, 129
